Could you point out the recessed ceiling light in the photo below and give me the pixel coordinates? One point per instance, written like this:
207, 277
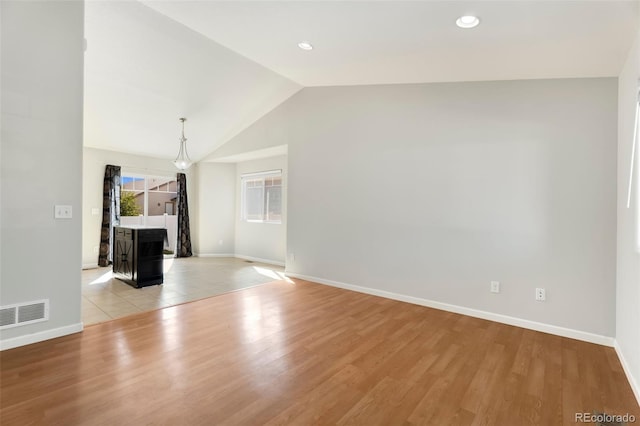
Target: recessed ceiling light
305, 45
467, 21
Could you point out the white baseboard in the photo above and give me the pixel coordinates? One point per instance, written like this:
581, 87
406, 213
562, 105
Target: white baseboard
242, 256
504, 319
258, 259
627, 371
215, 255
40, 336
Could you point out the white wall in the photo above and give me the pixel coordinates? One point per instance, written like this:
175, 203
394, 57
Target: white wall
628, 268
434, 190
265, 241
216, 209
94, 163
41, 163
265, 133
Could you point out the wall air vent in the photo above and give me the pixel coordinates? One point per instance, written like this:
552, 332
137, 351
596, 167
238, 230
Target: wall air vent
24, 313
8, 316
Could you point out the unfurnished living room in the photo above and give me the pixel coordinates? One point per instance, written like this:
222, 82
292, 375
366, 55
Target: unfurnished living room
320, 212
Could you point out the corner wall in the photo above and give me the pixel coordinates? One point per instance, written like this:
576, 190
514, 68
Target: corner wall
216, 209
431, 191
41, 163
262, 241
628, 247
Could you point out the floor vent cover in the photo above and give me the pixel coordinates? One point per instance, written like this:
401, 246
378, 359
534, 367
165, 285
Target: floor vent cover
24, 313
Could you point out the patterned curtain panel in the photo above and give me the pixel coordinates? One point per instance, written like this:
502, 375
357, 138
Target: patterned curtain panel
184, 234
110, 212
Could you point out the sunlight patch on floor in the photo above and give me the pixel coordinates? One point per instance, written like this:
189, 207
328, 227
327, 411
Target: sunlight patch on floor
167, 264
284, 277
276, 275
103, 278
267, 272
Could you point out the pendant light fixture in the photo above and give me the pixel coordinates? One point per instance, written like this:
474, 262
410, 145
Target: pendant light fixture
182, 161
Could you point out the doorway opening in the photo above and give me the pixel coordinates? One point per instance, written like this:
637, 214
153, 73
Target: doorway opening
150, 201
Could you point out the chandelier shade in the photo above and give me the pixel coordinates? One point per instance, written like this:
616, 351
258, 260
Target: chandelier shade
182, 161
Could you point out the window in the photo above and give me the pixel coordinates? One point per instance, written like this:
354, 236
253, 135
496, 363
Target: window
150, 201
132, 196
147, 195
262, 197
635, 150
162, 195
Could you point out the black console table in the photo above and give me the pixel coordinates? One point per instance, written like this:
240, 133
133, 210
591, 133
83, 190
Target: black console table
137, 255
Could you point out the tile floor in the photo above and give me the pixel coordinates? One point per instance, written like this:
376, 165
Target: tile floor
186, 279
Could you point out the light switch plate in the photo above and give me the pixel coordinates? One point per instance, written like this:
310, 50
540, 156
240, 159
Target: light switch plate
63, 212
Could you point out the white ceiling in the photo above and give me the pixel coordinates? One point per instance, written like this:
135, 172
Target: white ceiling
387, 42
144, 71
224, 64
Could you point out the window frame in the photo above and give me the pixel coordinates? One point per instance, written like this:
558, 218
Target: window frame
146, 190
246, 177
136, 176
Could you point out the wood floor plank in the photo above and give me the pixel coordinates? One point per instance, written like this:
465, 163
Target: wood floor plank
301, 353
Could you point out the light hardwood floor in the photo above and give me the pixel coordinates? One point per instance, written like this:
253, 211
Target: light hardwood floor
186, 279
301, 353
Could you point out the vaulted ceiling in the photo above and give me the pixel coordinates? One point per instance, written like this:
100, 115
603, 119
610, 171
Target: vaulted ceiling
224, 64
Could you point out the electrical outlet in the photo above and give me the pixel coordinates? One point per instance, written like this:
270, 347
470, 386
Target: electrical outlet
95, 211
96, 249
495, 287
541, 294
63, 212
